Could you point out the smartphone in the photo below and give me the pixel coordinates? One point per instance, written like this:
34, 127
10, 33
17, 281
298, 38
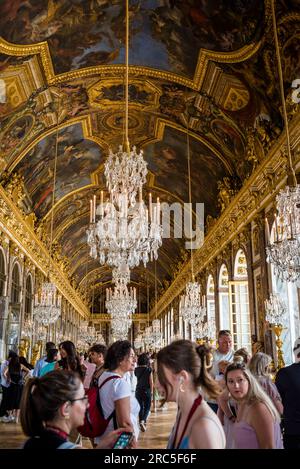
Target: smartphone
124, 440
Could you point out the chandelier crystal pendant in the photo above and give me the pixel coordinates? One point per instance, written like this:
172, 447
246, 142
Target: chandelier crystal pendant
284, 252
126, 232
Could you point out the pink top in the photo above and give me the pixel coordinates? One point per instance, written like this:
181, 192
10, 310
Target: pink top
244, 436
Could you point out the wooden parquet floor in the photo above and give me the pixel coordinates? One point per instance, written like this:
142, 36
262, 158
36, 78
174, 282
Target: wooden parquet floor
156, 436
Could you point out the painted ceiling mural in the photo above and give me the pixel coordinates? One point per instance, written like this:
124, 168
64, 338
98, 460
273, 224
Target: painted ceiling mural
231, 108
84, 34
77, 158
170, 157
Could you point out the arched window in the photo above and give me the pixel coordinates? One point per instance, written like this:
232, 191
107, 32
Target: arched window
210, 295
28, 297
15, 285
239, 304
224, 298
289, 293
2, 273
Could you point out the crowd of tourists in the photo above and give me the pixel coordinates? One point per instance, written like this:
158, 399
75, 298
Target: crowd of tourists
225, 398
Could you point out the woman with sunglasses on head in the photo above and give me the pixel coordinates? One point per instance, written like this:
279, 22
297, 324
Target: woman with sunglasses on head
52, 407
257, 425
182, 369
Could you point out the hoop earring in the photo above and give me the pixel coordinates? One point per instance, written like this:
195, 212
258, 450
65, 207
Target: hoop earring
181, 387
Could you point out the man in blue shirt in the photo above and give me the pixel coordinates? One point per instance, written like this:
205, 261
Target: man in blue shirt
42, 361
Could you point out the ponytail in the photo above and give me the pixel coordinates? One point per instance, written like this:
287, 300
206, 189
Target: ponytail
186, 355
43, 397
204, 379
30, 419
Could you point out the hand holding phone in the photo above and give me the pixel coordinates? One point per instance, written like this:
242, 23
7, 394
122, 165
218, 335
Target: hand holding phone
124, 440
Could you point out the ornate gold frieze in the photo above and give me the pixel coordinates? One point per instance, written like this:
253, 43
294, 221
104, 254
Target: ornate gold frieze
25, 241
256, 194
106, 71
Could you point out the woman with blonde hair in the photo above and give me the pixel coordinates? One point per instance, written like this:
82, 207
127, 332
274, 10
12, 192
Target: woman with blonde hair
182, 369
259, 366
258, 422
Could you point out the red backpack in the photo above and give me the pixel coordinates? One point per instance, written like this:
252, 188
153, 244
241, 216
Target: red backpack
95, 423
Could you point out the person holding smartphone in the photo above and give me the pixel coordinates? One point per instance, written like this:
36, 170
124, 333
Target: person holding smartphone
52, 407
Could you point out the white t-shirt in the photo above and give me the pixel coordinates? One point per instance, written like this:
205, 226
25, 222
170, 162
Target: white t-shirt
215, 366
220, 357
112, 391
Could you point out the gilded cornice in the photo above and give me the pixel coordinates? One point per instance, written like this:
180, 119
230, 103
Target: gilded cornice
255, 195
22, 235
204, 57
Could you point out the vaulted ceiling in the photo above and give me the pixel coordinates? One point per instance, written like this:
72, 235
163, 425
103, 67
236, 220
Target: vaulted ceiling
205, 66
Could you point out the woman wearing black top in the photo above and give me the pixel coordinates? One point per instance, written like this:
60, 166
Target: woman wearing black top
15, 374
144, 388
52, 407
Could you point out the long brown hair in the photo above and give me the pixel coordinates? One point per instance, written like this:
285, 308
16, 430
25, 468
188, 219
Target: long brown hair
195, 359
255, 392
42, 398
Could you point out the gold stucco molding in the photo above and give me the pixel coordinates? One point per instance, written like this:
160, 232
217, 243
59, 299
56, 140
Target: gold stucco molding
258, 191
107, 71
22, 235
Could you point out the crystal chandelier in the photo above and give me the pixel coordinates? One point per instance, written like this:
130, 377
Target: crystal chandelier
125, 232
148, 337
87, 333
47, 305
27, 329
275, 310
99, 338
121, 302
41, 333
138, 341
190, 306
284, 252
120, 327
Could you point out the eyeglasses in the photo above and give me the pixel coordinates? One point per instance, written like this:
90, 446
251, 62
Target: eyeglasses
85, 399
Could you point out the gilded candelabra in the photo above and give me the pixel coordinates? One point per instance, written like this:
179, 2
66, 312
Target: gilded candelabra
277, 328
275, 315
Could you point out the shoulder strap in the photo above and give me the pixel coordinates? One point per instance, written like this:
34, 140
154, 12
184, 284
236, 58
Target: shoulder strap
108, 379
113, 414
196, 404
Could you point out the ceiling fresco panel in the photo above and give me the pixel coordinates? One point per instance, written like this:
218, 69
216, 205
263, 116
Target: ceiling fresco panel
168, 161
77, 159
164, 35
